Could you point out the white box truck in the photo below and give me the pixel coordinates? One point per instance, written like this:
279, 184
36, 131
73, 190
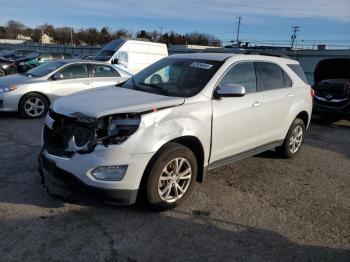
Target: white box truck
132, 55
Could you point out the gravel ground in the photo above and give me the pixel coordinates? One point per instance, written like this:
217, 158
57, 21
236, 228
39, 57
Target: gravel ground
259, 209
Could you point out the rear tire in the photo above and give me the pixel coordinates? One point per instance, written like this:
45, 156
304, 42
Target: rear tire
170, 177
33, 105
293, 141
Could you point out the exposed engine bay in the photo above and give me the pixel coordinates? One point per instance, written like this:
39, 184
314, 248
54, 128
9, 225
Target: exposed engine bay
65, 135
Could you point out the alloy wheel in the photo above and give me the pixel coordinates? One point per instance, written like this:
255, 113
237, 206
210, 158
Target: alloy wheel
296, 139
175, 179
34, 106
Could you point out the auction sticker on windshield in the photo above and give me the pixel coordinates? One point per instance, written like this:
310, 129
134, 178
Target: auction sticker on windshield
201, 65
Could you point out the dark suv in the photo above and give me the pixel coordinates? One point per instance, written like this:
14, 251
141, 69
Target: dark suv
332, 89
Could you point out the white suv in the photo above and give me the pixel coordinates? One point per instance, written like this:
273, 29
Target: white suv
155, 135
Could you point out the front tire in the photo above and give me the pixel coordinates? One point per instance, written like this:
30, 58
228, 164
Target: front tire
33, 106
171, 176
294, 139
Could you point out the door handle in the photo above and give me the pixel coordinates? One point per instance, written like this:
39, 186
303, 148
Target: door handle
257, 103
290, 95
87, 83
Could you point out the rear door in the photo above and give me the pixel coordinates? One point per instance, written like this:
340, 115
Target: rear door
104, 75
278, 96
237, 120
75, 78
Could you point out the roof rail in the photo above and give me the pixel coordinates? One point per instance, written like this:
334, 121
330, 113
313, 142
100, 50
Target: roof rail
264, 53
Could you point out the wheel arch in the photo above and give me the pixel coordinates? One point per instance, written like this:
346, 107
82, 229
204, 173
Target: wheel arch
35, 92
303, 115
194, 144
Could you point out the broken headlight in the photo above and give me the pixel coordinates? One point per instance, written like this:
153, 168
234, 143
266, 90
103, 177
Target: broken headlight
116, 129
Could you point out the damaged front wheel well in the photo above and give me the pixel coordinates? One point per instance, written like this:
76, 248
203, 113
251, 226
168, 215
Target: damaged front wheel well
196, 147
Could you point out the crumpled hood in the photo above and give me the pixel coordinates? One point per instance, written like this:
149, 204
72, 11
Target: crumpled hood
17, 79
111, 100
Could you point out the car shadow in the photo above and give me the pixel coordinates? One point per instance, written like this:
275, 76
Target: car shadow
13, 115
119, 234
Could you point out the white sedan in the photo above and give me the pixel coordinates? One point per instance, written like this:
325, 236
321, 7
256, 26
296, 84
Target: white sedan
31, 93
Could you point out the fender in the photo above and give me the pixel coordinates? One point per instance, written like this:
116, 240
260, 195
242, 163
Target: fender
158, 128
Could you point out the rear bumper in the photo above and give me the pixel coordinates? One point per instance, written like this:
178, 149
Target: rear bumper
62, 183
331, 108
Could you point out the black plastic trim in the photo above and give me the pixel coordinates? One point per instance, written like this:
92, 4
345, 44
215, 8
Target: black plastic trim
245, 154
121, 196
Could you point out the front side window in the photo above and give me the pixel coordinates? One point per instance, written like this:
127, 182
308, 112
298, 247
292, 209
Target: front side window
104, 71
178, 77
241, 74
75, 71
271, 76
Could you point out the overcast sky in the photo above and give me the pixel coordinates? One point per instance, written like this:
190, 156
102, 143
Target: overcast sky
327, 20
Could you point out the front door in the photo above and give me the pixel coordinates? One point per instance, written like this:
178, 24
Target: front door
75, 78
237, 120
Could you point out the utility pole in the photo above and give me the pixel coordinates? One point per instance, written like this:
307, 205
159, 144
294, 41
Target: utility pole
71, 36
238, 26
161, 34
294, 35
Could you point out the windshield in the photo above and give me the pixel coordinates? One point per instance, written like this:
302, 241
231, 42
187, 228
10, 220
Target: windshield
178, 77
104, 55
45, 69
108, 50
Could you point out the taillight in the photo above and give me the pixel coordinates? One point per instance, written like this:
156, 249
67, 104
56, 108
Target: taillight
312, 92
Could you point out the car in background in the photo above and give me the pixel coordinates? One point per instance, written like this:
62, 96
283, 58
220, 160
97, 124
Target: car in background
132, 55
7, 67
17, 53
37, 58
332, 89
31, 93
4, 52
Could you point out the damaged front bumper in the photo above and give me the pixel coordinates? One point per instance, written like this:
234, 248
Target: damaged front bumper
67, 169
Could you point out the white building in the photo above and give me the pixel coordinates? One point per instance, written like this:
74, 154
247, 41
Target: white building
46, 39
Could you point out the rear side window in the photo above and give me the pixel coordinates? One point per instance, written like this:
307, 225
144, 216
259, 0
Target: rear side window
299, 71
104, 71
271, 76
241, 74
75, 71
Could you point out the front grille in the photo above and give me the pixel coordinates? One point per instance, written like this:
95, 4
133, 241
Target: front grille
68, 136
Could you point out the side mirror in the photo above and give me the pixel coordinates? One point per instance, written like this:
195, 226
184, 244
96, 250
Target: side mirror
115, 61
229, 90
57, 76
